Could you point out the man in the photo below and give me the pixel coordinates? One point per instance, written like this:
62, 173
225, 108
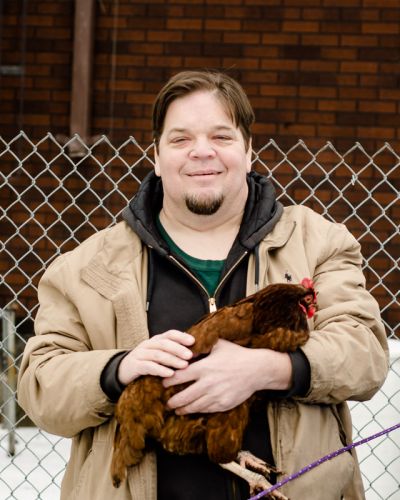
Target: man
202, 232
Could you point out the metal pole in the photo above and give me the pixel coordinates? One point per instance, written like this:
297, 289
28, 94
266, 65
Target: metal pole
10, 382
82, 74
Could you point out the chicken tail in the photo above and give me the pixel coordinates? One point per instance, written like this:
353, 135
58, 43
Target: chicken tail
139, 414
117, 467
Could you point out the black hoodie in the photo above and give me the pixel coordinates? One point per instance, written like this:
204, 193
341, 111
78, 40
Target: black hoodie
176, 299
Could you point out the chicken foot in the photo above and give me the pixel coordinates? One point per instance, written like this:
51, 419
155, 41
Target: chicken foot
248, 461
257, 480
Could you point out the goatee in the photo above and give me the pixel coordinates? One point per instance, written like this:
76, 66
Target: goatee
206, 206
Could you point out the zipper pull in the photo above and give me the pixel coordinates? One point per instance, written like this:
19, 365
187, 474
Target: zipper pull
212, 305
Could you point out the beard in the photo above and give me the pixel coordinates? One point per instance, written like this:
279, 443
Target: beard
201, 206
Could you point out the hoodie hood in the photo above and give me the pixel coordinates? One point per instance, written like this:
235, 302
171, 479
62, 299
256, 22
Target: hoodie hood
262, 212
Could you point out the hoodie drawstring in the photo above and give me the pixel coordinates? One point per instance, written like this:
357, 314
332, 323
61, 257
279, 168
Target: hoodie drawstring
150, 277
257, 267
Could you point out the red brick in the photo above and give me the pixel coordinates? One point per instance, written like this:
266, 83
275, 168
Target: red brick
263, 102
358, 93
241, 63
260, 51
279, 65
359, 67
201, 62
378, 106
300, 131
381, 28
359, 40
370, 14
340, 54
295, 103
111, 22
316, 117
37, 95
267, 3
376, 133
389, 94
317, 92
244, 38
164, 36
391, 68
277, 90
201, 36
186, 24
342, 3
223, 24
130, 60
280, 39
218, 2
334, 105
52, 33
266, 129
52, 58
334, 131
322, 66
259, 77
378, 3
40, 20
261, 25
132, 35
300, 26
321, 40
38, 119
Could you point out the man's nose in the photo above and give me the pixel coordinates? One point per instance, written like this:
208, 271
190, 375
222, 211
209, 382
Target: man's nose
202, 149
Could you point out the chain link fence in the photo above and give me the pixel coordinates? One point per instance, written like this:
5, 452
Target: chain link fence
54, 193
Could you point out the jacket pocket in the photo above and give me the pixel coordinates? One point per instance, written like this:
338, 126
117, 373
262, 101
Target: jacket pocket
83, 475
94, 479
308, 433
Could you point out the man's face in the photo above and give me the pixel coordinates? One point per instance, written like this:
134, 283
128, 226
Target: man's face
201, 158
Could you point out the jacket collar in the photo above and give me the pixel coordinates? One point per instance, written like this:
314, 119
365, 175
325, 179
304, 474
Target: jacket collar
262, 212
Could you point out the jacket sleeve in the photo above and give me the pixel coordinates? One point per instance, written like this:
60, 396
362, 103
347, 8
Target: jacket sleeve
347, 349
59, 378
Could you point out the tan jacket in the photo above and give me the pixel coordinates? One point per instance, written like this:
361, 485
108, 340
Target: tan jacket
92, 304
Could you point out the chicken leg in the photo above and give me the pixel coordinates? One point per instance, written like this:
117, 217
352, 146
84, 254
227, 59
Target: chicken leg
257, 480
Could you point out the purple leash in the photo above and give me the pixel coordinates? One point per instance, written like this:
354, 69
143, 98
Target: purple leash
322, 460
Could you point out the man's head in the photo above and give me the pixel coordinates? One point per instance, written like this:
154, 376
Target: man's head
226, 89
203, 145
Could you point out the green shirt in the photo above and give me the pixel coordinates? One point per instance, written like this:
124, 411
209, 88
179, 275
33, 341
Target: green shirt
207, 271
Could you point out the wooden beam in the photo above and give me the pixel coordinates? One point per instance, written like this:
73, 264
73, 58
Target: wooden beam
82, 74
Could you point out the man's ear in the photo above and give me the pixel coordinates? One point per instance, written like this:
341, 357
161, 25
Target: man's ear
249, 154
156, 161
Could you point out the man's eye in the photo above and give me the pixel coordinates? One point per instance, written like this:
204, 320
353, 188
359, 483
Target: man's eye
177, 140
223, 137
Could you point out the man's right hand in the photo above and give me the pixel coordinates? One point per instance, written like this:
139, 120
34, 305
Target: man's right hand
160, 355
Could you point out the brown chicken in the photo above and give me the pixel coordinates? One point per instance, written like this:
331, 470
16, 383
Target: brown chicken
273, 318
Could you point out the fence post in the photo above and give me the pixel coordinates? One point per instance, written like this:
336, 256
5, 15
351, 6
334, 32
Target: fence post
9, 375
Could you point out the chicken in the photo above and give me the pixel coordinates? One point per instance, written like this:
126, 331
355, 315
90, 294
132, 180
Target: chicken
273, 318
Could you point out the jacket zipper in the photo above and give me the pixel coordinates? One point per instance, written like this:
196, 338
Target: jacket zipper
212, 303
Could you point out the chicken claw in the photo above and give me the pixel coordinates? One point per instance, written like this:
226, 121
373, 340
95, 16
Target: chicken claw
249, 461
257, 482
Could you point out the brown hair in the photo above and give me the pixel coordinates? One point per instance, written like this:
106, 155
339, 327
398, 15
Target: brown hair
226, 88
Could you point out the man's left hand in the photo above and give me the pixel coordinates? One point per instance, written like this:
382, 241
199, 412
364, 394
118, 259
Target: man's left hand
225, 378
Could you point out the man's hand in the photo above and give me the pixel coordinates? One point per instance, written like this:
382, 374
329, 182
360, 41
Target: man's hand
229, 375
160, 355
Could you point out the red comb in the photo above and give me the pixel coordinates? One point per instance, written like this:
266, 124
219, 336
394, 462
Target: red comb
307, 283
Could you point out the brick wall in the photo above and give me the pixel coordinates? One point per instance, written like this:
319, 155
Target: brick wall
317, 70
